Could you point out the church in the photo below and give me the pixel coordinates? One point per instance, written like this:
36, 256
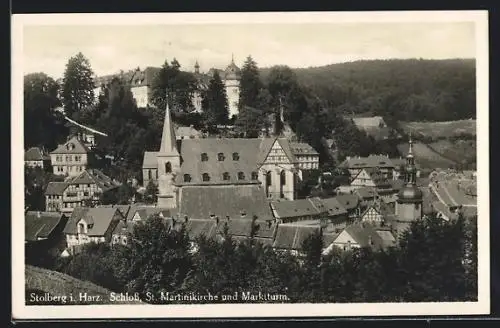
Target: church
244, 168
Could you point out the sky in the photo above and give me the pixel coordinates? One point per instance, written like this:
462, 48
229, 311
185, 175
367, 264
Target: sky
111, 48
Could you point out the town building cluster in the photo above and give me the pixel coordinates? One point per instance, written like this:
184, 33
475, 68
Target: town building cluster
247, 185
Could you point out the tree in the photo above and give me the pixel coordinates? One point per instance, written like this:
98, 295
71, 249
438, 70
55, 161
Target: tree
78, 85
151, 193
214, 103
179, 85
250, 84
35, 183
42, 127
160, 258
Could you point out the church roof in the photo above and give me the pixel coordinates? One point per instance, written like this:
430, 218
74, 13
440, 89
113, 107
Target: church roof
202, 202
251, 153
168, 140
150, 161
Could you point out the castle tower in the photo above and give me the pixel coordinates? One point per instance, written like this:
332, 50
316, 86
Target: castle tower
197, 68
168, 164
232, 77
409, 202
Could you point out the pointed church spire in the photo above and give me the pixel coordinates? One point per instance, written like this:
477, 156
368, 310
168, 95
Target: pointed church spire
410, 164
168, 142
232, 58
410, 150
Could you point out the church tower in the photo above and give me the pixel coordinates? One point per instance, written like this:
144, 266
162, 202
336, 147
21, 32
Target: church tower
232, 76
168, 164
409, 202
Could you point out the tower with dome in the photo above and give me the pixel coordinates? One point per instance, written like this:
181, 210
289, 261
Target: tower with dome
232, 78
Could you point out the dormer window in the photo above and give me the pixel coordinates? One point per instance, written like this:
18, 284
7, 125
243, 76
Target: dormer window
236, 157
255, 176
225, 176
220, 157
70, 146
81, 227
206, 177
90, 226
187, 178
204, 157
241, 176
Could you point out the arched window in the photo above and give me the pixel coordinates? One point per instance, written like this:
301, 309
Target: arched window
220, 157
236, 157
206, 177
150, 175
241, 176
225, 176
204, 157
187, 178
282, 178
255, 176
168, 167
268, 178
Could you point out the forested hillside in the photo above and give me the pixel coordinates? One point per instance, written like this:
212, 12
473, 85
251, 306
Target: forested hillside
398, 90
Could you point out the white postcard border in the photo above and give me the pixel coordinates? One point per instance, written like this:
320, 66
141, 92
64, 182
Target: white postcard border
21, 311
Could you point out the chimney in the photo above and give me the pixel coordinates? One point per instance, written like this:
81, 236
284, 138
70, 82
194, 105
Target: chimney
38, 214
217, 219
185, 219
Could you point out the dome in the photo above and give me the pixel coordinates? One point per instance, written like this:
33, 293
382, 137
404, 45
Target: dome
232, 72
410, 194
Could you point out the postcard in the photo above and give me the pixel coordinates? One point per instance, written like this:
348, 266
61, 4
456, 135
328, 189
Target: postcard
250, 165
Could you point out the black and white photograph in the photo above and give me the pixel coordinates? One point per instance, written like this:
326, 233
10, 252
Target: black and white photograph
221, 165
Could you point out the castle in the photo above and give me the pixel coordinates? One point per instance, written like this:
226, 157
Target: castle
141, 84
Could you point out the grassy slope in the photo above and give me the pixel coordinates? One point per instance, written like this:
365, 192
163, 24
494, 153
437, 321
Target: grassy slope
57, 283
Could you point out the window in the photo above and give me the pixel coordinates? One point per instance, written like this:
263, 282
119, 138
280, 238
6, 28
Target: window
168, 167
220, 157
241, 176
206, 177
85, 193
255, 176
282, 178
88, 186
236, 157
149, 175
124, 240
187, 178
204, 157
268, 178
225, 176
90, 226
81, 227
115, 239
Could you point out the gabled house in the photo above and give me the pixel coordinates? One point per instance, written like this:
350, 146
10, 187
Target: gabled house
338, 216
84, 189
34, 157
298, 210
363, 235
71, 158
291, 236
87, 225
351, 203
376, 213
43, 235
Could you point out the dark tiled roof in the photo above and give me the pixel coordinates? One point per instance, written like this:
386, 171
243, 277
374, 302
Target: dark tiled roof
198, 227
94, 176
40, 227
334, 207
295, 208
251, 152
56, 188
200, 202
301, 148
363, 234
78, 147
33, 154
291, 236
150, 161
123, 227
237, 227
371, 161
348, 201
101, 217
265, 229
366, 192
